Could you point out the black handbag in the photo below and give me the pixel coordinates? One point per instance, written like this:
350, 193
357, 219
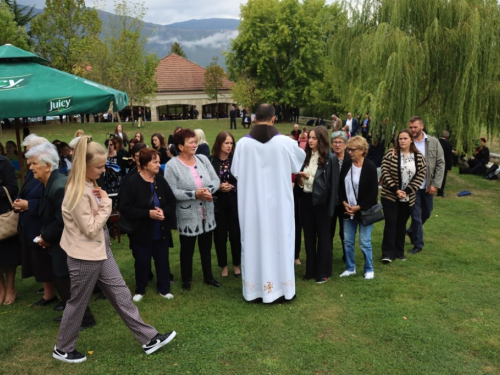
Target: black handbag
372, 215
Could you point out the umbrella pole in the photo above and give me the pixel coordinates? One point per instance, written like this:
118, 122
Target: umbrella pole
18, 139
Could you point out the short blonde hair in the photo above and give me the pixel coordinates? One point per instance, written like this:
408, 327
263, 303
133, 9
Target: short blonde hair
200, 137
358, 142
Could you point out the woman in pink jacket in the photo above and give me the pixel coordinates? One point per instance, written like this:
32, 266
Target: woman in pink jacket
85, 238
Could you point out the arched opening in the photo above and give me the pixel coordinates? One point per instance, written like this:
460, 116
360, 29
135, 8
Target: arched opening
211, 110
172, 112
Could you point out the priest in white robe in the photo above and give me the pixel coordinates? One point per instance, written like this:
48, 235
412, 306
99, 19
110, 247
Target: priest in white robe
263, 164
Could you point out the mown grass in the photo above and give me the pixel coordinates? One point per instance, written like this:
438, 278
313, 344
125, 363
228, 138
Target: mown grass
436, 313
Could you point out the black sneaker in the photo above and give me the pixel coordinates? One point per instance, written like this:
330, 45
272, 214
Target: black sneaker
72, 357
415, 250
386, 260
158, 341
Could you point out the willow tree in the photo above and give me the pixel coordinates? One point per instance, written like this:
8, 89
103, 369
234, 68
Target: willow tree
435, 58
280, 48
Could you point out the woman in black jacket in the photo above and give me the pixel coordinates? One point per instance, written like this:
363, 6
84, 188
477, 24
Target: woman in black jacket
226, 204
319, 181
147, 201
358, 191
158, 143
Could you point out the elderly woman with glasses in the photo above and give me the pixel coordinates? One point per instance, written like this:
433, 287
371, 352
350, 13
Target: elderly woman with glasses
339, 139
358, 191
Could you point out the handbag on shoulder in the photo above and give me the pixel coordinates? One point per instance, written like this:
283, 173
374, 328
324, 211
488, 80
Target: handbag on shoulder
8, 221
372, 215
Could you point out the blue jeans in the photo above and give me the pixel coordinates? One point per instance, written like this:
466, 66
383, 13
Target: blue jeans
365, 243
420, 212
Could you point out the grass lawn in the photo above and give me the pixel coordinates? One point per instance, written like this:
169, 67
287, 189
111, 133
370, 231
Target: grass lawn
436, 313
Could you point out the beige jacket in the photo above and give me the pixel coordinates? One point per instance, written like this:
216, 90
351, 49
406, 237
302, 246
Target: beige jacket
83, 235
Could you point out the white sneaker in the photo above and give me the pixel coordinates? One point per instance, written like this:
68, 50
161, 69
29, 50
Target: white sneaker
348, 273
137, 297
167, 296
369, 275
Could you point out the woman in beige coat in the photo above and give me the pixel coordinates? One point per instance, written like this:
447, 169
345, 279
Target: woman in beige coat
85, 238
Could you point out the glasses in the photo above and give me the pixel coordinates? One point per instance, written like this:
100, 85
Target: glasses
338, 143
352, 149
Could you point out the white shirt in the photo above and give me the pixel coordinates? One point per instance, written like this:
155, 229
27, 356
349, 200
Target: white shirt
349, 123
421, 147
352, 186
311, 171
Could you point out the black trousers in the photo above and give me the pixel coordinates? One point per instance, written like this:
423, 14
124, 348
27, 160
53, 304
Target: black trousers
227, 221
396, 215
317, 238
233, 121
158, 250
338, 215
440, 192
298, 226
186, 255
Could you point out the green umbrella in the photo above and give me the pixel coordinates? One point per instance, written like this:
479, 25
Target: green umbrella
28, 89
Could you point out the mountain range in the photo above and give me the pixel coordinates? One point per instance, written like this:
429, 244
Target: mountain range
201, 39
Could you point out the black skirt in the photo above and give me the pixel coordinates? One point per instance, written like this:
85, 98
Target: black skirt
10, 252
36, 261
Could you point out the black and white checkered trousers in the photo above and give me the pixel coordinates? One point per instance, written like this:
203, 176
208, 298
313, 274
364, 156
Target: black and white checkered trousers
84, 275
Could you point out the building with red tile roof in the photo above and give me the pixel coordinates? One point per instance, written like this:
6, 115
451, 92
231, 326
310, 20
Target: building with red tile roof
181, 89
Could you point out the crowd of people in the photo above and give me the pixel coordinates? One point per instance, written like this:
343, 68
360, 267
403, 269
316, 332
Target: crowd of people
261, 193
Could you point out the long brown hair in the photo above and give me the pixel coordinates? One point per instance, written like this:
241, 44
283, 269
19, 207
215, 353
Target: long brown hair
323, 145
221, 138
397, 148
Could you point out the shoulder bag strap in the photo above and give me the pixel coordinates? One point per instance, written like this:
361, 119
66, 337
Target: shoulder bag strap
8, 196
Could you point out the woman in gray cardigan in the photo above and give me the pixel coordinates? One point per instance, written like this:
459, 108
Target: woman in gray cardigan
193, 181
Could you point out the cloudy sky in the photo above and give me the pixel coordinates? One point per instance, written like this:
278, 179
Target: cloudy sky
169, 11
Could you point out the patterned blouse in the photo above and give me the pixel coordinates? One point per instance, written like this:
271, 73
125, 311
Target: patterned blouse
408, 170
224, 172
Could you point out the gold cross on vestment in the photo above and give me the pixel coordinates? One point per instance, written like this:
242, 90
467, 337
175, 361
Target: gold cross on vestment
269, 287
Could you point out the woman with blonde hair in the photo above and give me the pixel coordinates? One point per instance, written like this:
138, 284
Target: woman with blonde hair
201, 142
79, 133
358, 191
85, 238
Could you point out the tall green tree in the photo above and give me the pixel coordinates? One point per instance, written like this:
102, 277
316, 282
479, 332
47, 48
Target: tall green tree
128, 67
67, 34
177, 49
214, 81
281, 47
11, 31
22, 14
246, 92
436, 58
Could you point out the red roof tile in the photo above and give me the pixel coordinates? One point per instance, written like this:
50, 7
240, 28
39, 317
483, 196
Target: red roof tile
176, 73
